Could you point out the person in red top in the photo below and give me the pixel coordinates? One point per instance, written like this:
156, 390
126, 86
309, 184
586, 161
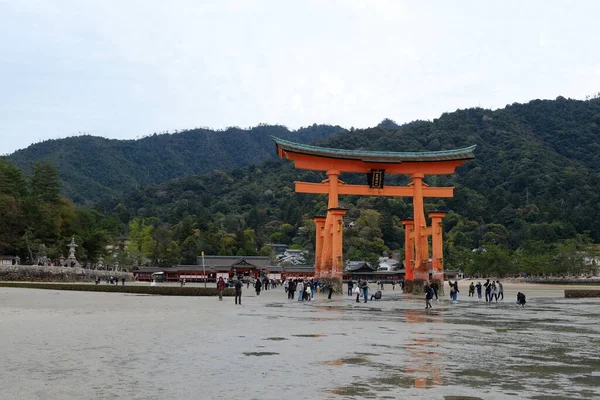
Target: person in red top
220, 287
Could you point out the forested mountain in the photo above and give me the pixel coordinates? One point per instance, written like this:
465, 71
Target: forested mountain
529, 202
93, 167
535, 181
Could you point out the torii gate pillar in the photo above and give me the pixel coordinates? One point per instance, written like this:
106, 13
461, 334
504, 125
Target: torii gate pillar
437, 256
336, 228
409, 248
329, 262
319, 232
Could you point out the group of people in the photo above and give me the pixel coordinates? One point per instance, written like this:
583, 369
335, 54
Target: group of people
306, 288
493, 290
222, 285
361, 287
431, 290
265, 284
110, 280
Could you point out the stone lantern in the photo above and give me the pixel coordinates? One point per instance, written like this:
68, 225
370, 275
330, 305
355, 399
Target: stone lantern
72, 260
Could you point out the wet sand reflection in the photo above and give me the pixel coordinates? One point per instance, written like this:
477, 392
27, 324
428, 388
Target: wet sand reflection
424, 356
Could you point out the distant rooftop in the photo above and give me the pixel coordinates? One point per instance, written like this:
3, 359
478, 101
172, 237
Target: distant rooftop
465, 153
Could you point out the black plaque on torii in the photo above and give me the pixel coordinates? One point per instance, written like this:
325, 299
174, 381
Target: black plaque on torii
375, 178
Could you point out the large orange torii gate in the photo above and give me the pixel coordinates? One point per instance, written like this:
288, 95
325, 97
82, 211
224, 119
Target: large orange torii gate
328, 244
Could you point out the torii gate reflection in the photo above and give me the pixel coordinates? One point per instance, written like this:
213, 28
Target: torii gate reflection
328, 243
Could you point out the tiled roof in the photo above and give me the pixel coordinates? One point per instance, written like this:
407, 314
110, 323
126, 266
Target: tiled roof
214, 261
352, 266
376, 156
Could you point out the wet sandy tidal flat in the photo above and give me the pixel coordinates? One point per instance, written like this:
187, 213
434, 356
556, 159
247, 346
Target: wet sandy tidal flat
78, 345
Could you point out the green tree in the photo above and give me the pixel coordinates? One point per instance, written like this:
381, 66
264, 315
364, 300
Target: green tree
140, 243
45, 182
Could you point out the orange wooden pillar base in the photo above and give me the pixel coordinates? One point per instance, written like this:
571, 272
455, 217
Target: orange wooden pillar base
337, 229
437, 256
409, 248
421, 272
319, 233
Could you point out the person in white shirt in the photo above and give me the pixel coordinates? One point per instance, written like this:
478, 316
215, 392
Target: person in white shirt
494, 292
300, 289
500, 290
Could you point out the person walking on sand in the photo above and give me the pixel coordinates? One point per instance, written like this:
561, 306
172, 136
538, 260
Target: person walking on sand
300, 288
238, 291
500, 290
454, 291
472, 290
350, 285
428, 295
488, 292
478, 287
434, 286
330, 290
365, 289
258, 286
494, 292
307, 290
356, 291
220, 287
521, 299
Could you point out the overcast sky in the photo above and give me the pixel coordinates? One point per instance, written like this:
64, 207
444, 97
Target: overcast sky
124, 69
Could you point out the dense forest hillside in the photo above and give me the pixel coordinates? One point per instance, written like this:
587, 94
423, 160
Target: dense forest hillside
93, 167
529, 202
535, 182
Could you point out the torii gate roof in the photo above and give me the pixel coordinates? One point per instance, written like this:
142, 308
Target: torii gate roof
465, 153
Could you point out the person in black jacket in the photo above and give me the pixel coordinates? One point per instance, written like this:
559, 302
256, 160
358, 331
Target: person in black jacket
521, 299
376, 296
258, 286
238, 291
472, 290
330, 290
365, 289
428, 295
478, 287
488, 292
434, 286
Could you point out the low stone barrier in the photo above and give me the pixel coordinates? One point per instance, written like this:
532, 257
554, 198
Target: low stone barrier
563, 281
136, 289
581, 293
35, 273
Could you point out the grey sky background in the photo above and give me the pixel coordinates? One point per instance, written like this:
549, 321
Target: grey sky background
125, 69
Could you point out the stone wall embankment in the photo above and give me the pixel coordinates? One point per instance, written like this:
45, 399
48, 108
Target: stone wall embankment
34, 273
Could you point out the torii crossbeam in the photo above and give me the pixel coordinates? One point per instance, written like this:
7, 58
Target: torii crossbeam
328, 249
